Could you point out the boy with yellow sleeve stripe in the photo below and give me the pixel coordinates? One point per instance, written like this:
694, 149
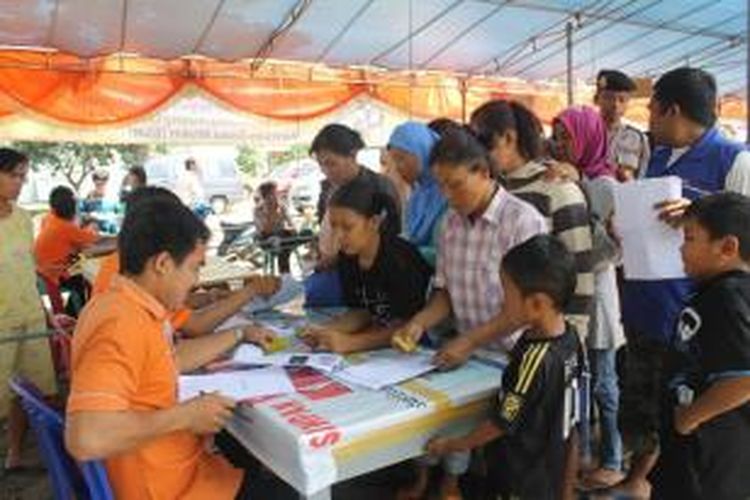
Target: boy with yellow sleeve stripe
537, 405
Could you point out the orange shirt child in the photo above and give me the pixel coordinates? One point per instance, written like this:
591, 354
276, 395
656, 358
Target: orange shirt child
124, 360
58, 240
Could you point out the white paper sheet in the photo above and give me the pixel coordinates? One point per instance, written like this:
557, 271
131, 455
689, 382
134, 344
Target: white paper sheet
236, 321
650, 247
252, 354
290, 290
238, 385
386, 367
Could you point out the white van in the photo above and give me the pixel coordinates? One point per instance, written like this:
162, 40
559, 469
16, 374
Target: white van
220, 178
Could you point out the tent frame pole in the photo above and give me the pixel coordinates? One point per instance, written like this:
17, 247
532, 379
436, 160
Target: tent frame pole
569, 58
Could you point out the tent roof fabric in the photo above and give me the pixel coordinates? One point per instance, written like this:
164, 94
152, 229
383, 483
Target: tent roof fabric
509, 38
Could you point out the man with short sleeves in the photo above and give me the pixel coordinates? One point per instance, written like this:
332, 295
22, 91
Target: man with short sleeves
627, 147
123, 405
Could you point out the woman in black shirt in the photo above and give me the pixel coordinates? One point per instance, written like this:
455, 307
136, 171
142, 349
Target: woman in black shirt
383, 277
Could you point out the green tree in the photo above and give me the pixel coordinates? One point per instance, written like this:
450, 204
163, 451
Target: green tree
249, 160
75, 161
293, 152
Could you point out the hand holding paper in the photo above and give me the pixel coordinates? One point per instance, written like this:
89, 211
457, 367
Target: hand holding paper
650, 247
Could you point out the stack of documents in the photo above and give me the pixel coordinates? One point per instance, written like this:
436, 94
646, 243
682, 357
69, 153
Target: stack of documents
254, 355
379, 369
237, 385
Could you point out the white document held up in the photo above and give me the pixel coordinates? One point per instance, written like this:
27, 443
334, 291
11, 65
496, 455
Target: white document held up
237, 385
386, 367
650, 247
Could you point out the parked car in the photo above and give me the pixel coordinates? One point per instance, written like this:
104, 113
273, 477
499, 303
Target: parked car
220, 177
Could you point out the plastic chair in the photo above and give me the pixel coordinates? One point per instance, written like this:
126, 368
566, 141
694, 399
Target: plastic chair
61, 346
52, 289
87, 481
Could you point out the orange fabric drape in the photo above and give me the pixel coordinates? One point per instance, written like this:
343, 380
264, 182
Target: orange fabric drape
428, 96
282, 92
280, 99
116, 89
100, 92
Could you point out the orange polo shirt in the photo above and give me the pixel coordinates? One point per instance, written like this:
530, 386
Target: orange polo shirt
58, 240
109, 267
123, 360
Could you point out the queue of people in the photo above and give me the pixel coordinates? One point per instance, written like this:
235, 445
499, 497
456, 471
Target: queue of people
498, 239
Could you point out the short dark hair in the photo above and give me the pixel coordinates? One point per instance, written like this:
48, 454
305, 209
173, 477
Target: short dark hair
724, 214
62, 201
139, 173
10, 159
267, 189
441, 125
543, 264
459, 148
155, 226
338, 139
368, 199
141, 194
693, 90
494, 118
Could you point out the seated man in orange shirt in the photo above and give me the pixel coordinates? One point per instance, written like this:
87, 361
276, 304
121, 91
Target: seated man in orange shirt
123, 405
191, 320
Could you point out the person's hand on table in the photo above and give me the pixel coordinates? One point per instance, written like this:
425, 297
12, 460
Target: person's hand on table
673, 211
264, 286
207, 413
321, 338
407, 337
439, 446
259, 335
454, 353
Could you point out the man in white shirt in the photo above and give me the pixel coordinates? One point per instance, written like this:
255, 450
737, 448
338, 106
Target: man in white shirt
628, 147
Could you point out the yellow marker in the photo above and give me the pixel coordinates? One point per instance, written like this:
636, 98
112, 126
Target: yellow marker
406, 344
279, 344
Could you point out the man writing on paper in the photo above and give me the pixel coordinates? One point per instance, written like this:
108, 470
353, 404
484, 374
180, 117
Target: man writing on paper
123, 400
689, 146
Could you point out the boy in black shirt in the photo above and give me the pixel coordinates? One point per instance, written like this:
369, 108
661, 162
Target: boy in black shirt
537, 405
708, 453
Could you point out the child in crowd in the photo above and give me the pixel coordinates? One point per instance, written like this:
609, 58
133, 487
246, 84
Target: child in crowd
536, 408
707, 455
60, 239
384, 278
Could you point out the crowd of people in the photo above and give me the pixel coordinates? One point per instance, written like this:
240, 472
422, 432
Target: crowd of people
493, 237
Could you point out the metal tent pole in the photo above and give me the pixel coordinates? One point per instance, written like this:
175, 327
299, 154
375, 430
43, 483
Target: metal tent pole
569, 54
747, 74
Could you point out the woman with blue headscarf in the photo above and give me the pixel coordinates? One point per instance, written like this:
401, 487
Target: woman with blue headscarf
409, 148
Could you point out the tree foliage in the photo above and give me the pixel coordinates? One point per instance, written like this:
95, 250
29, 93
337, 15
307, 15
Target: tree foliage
249, 160
75, 161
